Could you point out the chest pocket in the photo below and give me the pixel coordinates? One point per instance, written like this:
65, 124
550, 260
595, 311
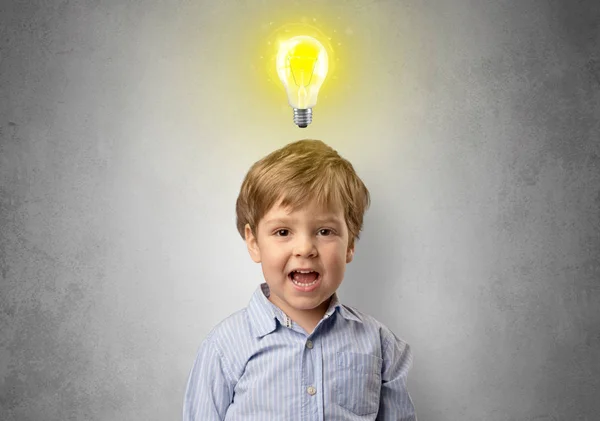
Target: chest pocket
358, 382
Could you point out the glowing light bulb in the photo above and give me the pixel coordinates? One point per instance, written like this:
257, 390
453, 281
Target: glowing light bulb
302, 64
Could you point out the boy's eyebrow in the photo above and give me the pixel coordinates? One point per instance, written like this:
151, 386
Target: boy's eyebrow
328, 219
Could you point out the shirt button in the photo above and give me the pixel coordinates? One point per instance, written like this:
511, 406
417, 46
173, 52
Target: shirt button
309, 344
311, 390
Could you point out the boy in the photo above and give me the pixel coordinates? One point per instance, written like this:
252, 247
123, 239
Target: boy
296, 352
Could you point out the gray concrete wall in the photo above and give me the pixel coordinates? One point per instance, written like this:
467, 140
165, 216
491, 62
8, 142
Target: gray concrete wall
127, 127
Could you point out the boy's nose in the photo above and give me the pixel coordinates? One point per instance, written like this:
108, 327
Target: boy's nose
304, 246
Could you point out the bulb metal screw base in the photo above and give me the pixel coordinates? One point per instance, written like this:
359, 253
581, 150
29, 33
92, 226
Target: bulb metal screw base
302, 117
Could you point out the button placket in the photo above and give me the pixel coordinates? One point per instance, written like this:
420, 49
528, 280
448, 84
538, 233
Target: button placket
287, 321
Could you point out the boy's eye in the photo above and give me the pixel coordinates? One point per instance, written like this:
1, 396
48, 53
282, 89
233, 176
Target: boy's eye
285, 232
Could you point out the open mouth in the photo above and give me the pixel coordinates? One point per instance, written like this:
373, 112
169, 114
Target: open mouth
304, 278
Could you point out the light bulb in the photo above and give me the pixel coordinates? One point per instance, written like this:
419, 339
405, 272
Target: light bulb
302, 64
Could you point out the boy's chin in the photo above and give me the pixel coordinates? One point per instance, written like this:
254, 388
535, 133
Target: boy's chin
310, 304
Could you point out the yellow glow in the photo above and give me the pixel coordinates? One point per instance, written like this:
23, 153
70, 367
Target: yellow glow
302, 63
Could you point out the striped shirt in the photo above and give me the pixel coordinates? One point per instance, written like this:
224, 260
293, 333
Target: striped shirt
260, 365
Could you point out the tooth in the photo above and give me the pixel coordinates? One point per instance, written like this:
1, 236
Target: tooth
300, 284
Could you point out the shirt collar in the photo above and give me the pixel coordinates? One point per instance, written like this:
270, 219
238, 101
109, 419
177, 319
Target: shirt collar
264, 315
262, 312
344, 311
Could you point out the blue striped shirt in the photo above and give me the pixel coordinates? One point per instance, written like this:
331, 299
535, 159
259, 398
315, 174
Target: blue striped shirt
259, 365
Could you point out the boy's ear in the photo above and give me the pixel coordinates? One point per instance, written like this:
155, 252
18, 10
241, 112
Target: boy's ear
252, 244
350, 254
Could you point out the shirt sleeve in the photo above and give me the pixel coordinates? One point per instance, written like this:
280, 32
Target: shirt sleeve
395, 402
209, 389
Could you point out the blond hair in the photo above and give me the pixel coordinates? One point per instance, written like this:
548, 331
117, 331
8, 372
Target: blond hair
301, 172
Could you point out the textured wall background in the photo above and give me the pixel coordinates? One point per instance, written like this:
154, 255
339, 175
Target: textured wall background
126, 129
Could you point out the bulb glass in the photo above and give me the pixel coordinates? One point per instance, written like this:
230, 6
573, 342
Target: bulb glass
302, 64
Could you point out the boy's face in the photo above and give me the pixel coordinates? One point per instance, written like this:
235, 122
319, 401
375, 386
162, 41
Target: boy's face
310, 238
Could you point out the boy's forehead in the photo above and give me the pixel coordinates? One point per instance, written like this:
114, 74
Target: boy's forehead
325, 212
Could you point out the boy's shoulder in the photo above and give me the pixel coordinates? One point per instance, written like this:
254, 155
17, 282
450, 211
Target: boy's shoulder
232, 339
234, 326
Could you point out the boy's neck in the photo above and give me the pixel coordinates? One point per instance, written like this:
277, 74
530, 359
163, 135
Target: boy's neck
307, 319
